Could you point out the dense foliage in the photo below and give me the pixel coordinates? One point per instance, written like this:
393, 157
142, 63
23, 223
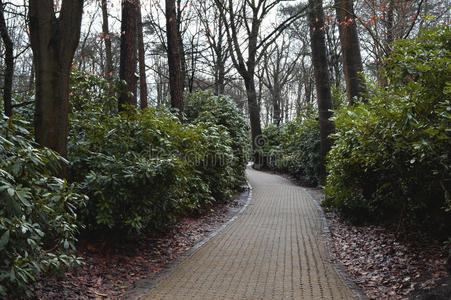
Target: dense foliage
391, 159
302, 145
294, 148
37, 212
142, 168
221, 110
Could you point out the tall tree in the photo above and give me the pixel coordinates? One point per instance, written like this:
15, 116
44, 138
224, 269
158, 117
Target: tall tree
174, 58
333, 51
279, 65
248, 16
322, 80
218, 53
142, 63
107, 40
9, 62
184, 16
127, 69
352, 59
54, 40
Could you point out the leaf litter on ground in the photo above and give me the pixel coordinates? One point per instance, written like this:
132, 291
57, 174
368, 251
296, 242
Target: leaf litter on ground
109, 271
383, 263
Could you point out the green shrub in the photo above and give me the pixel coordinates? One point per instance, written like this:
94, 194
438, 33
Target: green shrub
294, 148
141, 169
132, 165
302, 148
222, 111
391, 158
37, 212
217, 165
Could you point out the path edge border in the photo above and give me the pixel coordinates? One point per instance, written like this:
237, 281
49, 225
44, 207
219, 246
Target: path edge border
339, 267
142, 287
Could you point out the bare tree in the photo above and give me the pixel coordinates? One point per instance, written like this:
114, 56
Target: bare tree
184, 17
334, 53
279, 63
54, 40
22, 57
304, 72
191, 58
323, 89
215, 32
85, 49
160, 71
248, 16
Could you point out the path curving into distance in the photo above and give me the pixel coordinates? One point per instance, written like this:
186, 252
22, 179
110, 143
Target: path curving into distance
274, 250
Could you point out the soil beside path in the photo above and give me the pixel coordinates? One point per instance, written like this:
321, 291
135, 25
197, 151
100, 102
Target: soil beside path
274, 250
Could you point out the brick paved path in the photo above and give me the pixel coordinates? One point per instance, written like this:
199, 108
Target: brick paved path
274, 250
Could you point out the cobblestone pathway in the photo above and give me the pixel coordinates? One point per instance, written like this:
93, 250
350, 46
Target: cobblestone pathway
274, 250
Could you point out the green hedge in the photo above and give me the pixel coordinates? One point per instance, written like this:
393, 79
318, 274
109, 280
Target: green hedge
141, 169
391, 158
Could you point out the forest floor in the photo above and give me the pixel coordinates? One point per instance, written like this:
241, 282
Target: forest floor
109, 271
385, 264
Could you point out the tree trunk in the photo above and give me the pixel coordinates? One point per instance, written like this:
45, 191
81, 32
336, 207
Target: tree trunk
249, 82
107, 40
287, 110
254, 116
9, 62
352, 60
127, 70
389, 26
53, 41
323, 90
31, 79
192, 72
299, 100
174, 59
388, 43
276, 95
159, 83
308, 90
182, 54
220, 63
220, 82
142, 64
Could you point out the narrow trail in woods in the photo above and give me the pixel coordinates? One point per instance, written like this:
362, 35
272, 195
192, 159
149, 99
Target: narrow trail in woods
275, 249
